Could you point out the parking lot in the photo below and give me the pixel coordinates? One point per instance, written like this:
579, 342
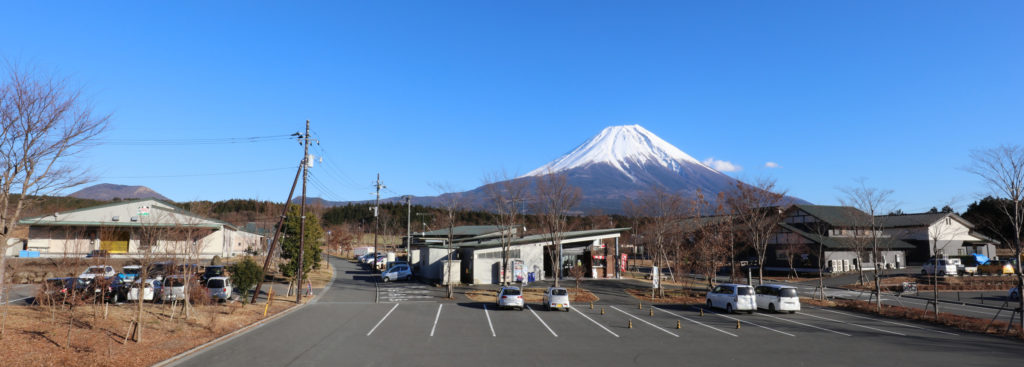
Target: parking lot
348, 326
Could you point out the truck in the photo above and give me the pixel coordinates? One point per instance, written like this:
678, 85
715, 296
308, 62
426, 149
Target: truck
360, 251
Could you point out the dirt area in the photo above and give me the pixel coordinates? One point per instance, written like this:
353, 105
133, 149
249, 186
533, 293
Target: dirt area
671, 296
969, 324
40, 336
533, 295
967, 283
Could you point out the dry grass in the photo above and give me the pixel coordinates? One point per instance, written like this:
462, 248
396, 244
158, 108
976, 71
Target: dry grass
533, 295
968, 283
675, 296
964, 323
37, 337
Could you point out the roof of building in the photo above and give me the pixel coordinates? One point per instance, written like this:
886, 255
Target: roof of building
462, 231
841, 243
918, 220
531, 239
843, 216
65, 218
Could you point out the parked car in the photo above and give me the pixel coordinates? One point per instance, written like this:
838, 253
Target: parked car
172, 288
997, 267
391, 264
159, 270
777, 298
109, 289
967, 265
397, 272
1013, 294
941, 266
220, 288
98, 270
150, 290
213, 271
510, 297
55, 290
98, 253
732, 297
130, 272
556, 298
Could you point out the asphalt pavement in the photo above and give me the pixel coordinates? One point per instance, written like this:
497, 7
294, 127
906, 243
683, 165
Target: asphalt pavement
358, 322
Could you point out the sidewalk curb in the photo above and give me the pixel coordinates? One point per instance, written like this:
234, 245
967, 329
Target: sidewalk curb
186, 355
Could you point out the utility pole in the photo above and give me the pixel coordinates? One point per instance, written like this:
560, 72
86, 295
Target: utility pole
302, 212
376, 221
408, 230
280, 226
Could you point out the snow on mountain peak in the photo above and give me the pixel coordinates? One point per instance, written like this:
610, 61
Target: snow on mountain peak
622, 147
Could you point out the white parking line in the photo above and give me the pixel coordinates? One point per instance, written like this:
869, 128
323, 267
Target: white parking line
541, 321
887, 322
955, 307
489, 321
746, 321
645, 321
696, 322
15, 300
595, 322
438, 316
807, 325
850, 323
381, 320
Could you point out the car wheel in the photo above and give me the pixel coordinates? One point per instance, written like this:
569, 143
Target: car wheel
771, 307
709, 305
728, 308
792, 312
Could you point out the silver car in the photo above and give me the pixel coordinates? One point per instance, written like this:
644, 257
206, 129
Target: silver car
556, 299
220, 288
510, 297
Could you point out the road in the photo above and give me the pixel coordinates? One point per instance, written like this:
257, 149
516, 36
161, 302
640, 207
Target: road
354, 323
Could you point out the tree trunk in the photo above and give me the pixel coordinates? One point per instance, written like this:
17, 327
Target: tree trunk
3, 288
878, 282
821, 272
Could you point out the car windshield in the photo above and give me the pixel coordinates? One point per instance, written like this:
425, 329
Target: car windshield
559, 292
215, 283
95, 271
744, 291
215, 271
787, 292
174, 282
511, 292
132, 271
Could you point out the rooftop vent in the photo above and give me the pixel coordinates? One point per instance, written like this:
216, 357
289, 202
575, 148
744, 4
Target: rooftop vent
115, 218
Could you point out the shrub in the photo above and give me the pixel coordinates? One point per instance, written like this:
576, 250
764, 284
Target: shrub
245, 274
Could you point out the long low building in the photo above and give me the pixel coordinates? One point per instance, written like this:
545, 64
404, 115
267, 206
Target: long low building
477, 254
136, 228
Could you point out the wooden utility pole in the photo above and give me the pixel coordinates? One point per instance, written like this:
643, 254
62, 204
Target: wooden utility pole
280, 226
376, 221
302, 215
408, 230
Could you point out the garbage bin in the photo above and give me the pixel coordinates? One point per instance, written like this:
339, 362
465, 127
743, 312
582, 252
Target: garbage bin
530, 277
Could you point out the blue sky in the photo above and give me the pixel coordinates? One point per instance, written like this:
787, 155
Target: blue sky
449, 92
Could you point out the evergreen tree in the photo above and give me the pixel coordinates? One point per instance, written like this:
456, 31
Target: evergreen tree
290, 244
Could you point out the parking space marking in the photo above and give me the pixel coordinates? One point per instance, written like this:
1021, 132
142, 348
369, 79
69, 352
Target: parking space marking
489, 321
645, 321
886, 321
438, 316
746, 321
859, 325
541, 321
696, 322
595, 322
382, 320
15, 300
807, 325
958, 308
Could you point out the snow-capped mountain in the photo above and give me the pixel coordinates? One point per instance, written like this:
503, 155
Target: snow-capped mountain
625, 148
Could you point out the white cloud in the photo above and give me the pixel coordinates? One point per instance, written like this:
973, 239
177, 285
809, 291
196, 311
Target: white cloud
771, 165
721, 166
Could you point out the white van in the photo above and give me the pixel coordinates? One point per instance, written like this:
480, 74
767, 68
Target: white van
777, 298
732, 297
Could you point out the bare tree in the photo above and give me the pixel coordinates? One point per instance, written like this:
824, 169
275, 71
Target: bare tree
554, 198
664, 211
507, 197
148, 236
43, 124
1002, 169
711, 236
757, 210
868, 230
451, 202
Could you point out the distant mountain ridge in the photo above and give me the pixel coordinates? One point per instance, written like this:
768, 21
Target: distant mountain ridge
108, 191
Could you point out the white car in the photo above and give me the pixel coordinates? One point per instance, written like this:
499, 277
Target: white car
172, 288
397, 272
556, 299
150, 290
510, 297
220, 288
104, 271
732, 297
130, 272
777, 298
944, 267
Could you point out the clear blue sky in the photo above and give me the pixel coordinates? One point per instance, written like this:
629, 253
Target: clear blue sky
430, 92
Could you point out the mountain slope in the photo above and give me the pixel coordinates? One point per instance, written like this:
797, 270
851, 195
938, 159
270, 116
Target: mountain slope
106, 192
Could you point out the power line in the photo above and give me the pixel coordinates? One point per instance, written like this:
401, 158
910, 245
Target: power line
204, 174
193, 141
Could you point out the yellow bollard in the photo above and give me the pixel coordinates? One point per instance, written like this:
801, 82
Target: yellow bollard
702, 312
630, 324
679, 325
640, 306
602, 310
737, 324
591, 305
652, 311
